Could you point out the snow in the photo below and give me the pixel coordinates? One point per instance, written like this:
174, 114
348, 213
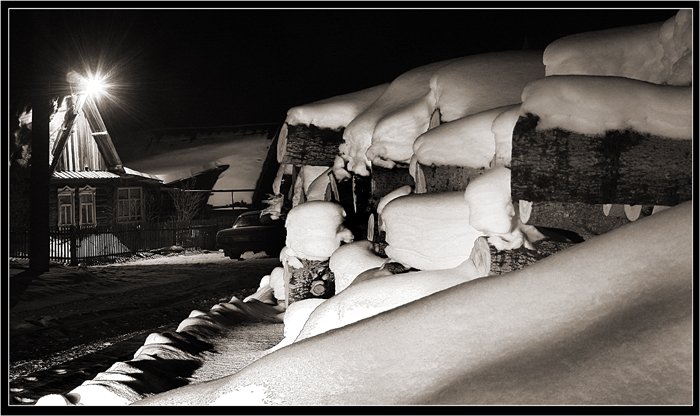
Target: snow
480, 82
468, 141
374, 296
394, 134
295, 317
264, 294
244, 153
331, 113
98, 312
311, 184
349, 260
335, 112
594, 104
315, 230
502, 129
657, 52
400, 191
316, 190
248, 395
284, 169
339, 170
429, 231
411, 89
277, 284
101, 244
384, 134
488, 197
480, 331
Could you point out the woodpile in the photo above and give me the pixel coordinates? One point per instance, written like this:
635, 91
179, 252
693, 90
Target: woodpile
312, 145
619, 167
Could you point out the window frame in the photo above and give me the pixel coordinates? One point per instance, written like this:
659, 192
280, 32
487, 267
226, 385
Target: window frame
69, 192
87, 190
129, 218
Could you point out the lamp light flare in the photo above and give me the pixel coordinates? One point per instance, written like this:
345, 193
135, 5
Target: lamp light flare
94, 86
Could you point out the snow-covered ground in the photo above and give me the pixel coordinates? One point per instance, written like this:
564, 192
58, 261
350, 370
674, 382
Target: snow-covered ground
75, 322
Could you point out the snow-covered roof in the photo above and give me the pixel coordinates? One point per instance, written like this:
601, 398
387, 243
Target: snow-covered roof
133, 172
89, 174
657, 52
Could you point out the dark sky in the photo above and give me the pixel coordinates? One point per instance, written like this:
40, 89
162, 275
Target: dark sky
186, 68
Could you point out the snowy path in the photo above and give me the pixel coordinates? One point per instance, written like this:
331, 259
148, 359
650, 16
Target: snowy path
73, 323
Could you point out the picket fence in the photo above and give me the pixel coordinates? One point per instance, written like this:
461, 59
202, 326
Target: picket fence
99, 244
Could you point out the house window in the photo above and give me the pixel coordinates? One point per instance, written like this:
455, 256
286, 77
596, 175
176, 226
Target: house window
129, 204
87, 206
66, 206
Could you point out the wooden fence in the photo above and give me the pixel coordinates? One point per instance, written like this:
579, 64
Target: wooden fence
96, 244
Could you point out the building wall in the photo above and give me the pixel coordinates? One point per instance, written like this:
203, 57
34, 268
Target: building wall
106, 199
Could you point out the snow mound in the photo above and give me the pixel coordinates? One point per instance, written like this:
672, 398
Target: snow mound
429, 231
456, 88
657, 52
315, 230
490, 206
502, 129
407, 99
311, 184
400, 191
331, 113
335, 112
349, 260
468, 141
595, 104
374, 296
277, 284
295, 316
481, 82
248, 255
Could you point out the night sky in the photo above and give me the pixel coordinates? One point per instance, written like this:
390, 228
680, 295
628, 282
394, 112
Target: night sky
188, 68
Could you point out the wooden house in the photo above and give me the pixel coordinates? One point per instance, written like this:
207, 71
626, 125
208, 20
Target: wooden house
89, 185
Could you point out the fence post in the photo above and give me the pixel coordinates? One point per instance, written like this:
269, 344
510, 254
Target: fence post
73, 245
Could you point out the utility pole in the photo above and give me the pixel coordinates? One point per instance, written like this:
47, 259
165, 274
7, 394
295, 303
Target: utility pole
39, 245
39, 173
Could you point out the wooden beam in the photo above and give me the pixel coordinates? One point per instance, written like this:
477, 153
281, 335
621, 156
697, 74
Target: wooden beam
103, 141
66, 129
312, 145
619, 167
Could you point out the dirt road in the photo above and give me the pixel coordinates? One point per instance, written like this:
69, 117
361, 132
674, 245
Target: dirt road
75, 322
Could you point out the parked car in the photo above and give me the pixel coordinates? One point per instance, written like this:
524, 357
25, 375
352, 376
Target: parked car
252, 232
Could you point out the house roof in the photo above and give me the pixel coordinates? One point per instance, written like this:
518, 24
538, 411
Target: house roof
88, 174
99, 174
133, 172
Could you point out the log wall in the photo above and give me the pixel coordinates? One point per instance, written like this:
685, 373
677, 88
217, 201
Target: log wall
311, 145
448, 178
620, 167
